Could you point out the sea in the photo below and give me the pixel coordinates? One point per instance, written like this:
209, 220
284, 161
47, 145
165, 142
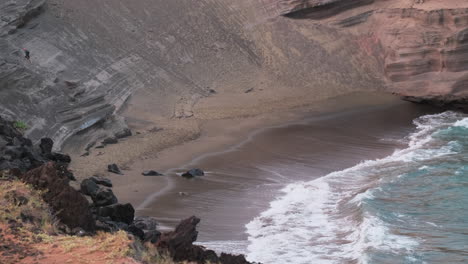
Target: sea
408, 207
372, 184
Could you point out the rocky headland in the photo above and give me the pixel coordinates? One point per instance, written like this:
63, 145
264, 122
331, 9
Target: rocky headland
74, 214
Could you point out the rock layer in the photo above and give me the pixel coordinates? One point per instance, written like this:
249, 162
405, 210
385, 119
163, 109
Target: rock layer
422, 48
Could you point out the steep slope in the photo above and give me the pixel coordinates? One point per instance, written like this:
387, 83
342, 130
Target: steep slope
88, 58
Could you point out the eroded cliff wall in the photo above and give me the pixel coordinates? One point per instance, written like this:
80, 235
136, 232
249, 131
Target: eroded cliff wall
90, 57
423, 44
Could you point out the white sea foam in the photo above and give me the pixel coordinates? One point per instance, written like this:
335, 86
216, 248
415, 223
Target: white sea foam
225, 246
462, 123
322, 221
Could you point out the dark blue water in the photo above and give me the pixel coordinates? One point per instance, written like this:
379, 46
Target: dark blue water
410, 207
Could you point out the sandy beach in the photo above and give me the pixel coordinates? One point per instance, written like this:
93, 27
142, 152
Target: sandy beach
231, 150
162, 144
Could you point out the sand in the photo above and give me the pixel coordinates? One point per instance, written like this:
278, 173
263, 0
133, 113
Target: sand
163, 143
231, 147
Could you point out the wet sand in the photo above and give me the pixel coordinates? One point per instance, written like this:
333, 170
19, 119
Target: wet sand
173, 147
247, 166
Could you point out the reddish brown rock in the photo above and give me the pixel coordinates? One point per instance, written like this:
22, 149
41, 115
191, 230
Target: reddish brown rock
179, 245
421, 47
70, 206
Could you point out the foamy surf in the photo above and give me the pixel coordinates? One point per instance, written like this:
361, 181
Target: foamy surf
349, 216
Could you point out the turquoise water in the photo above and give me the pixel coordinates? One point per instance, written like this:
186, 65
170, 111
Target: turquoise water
410, 207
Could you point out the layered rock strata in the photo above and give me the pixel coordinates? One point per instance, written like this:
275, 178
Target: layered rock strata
422, 46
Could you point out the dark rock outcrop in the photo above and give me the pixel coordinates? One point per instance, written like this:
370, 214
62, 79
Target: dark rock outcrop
136, 232
114, 169
179, 245
193, 173
89, 187
46, 146
104, 197
71, 208
110, 140
101, 181
125, 132
152, 236
118, 212
145, 223
18, 152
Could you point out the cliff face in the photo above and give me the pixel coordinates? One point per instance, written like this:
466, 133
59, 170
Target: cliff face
422, 45
88, 58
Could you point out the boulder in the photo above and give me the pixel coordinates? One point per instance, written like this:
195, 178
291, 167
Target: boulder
107, 225
193, 173
151, 173
145, 223
152, 236
69, 205
46, 145
110, 140
136, 232
63, 168
89, 187
104, 197
101, 181
114, 169
232, 259
118, 212
179, 245
126, 132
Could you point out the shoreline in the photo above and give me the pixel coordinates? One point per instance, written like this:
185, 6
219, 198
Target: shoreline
175, 152
182, 140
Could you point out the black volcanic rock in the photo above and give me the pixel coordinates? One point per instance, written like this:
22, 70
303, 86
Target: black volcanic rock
110, 140
145, 223
104, 197
114, 169
118, 212
179, 245
126, 132
152, 236
136, 232
101, 181
89, 187
46, 145
193, 173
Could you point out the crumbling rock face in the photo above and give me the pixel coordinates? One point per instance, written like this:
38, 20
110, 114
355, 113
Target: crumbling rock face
71, 207
423, 52
179, 245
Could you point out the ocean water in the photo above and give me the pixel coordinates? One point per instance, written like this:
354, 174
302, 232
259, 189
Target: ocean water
408, 207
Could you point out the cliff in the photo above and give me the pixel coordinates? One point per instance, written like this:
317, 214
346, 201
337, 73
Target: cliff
162, 59
422, 46
92, 62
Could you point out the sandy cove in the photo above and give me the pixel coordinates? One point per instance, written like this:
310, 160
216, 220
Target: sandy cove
165, 145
